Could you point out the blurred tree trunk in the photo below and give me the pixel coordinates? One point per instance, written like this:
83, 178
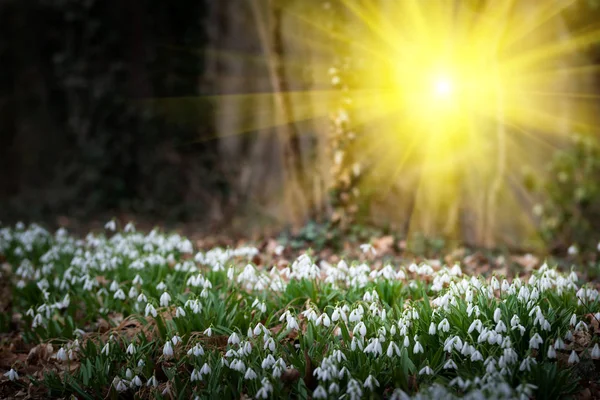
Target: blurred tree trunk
270, 33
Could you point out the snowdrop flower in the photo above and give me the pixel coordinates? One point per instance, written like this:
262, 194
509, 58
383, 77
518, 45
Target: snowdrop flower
196, 376
374, 347
250, 374
497, 315
152, 381
573, 358
233, 339
106, 349
393, 348
205, 370
406, 341
131, 349
399, 394
168, 350
12, 375
535, 341
61, 355
475, 325
417, 348
444, 326
180, 312
323, 318
559, 344
142, 298
165, 298
432, 329
581, 326
320, 393
360, 328
119, 294
551, 352
367, 247
128, 373
208, 332
150, 310
371, 382
270, 344
573, 320
119, 385
596, 352
197, 350
476, 356
450, 364
426, 371
572, 250
111, 225
136, 381
527, 363
175, 339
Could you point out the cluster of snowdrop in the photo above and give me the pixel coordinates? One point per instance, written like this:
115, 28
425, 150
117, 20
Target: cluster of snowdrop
371, 327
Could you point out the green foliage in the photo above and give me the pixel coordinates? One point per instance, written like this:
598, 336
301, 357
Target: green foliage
424, 313
569, 210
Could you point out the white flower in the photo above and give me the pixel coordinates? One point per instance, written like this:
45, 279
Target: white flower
165, 298
573, 358
432, 329
535, 341
129, 227
61, 355
527, 363
180, 312
418, 348
119, 385
450, 364
150, 310
426, 371
444, 326
551, 352
559, 344
175, 339
131, 349
572, 250
393, 348
476, 356
142, 298
233, 339
573, 320
367, 247
106, 349
168, 350
197, 350
195, 376
12, 375
371, 382
497, 315
161, 286
250, 374
208, 332
152, 381
319, 393
111, 225
136, 381
596, 352
205, 370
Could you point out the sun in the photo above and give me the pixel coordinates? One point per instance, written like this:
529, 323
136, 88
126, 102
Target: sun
443, 87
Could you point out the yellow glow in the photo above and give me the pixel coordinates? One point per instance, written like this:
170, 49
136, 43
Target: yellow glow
450, 99
443, 87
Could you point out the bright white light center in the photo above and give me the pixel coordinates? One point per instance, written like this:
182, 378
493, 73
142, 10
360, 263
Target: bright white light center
442, 87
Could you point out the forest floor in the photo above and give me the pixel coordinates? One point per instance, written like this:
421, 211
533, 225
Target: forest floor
144, 314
